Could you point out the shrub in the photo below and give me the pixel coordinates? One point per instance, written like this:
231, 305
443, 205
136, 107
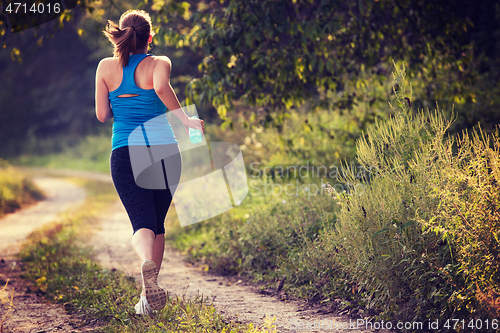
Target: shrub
466, 185
421, 236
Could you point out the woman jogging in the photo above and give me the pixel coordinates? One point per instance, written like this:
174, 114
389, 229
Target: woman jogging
137, 85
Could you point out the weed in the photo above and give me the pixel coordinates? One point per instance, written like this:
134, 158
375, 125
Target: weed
4, 299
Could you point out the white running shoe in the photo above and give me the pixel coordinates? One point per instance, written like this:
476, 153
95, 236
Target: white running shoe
143, 308
156, 296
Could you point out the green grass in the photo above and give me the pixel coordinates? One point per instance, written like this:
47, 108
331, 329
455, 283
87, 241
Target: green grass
62, 266
16, 189
268, 238
91, 154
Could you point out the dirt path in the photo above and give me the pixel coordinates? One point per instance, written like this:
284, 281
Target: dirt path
234, 300
29, 313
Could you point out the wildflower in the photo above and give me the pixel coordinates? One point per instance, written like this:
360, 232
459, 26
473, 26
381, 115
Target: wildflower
247, 215
284, 201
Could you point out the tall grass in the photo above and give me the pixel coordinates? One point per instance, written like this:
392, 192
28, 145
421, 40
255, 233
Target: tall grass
421, 237
16, 189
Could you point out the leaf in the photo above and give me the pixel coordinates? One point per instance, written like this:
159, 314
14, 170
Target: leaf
380, 231
407, 224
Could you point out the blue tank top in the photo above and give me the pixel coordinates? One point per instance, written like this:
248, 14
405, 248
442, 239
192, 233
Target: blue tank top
144, 113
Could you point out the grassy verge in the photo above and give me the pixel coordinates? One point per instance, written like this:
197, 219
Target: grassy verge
62, 266
91, 154
16, 189
268, 239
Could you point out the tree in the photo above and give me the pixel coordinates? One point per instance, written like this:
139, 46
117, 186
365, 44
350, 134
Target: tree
276, 54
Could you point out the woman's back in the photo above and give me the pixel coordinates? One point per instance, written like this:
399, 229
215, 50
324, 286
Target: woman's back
143, 75
136, 105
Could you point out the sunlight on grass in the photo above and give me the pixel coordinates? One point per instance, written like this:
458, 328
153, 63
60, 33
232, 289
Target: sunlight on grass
16, 189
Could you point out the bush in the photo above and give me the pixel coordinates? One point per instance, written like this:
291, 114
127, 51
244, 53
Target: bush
421, 236
466, 185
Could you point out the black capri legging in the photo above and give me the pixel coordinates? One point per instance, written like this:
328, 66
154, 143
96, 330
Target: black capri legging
146, 208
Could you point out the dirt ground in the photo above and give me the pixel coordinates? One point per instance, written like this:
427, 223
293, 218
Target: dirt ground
29, 312
112, 242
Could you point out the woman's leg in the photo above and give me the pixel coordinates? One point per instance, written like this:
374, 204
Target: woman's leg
172, 167
149, 246
159, 249
143, 242
138, 202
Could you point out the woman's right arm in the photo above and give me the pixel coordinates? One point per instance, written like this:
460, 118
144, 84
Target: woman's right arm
162, 87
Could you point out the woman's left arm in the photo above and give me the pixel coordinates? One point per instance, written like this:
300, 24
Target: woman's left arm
102, 107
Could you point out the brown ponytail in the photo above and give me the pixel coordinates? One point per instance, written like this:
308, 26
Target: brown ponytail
131, 35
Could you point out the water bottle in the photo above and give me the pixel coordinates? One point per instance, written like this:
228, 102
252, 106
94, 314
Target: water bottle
194, 134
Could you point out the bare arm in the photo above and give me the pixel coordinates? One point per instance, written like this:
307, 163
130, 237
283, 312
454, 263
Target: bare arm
102, 107
162, 87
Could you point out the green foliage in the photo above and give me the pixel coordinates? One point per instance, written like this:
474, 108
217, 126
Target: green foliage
265, 239
468, 86
91, 153
16, 189
279, 54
